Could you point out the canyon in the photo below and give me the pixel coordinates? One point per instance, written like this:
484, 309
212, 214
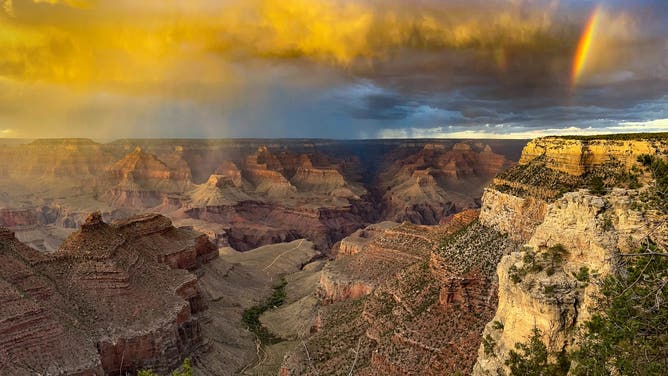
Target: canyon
243, 193
455, 298
313, 257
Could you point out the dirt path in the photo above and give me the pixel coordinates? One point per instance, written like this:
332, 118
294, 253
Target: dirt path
301, 241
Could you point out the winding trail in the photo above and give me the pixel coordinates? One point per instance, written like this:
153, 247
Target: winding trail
301, 241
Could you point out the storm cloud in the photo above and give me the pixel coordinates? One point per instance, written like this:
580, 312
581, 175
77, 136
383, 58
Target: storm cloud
330, 68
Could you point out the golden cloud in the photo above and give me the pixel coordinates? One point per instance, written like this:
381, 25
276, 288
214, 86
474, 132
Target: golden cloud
127, 42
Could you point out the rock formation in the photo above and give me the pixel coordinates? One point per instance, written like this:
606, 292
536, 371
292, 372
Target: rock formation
565, 230
435, 182
141, 180
579, 156
385, 297
323, 190
112, 300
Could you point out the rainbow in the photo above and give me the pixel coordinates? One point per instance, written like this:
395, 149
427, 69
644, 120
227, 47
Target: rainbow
584, 46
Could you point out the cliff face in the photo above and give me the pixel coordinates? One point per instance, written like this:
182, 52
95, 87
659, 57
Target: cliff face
570, 240
388, 291
141, 180
577, 157
46, 160
115, 299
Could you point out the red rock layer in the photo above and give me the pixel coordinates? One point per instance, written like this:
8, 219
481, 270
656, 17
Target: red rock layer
141, 180
251, 224
110, 302
18, 217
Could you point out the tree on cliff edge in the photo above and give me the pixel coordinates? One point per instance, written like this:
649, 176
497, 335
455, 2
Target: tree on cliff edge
627, 336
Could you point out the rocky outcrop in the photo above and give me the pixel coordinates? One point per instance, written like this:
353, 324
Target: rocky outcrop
570, 241
579, 156
141, 180
516, 216
264, 171
111, 301
436, 182
18, 218
387, 293
251, 224
312, 179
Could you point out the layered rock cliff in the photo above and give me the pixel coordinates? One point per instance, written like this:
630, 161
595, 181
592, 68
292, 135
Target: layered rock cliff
572, 238
141, 180
384, 299
112, 301
437, 181
580, 156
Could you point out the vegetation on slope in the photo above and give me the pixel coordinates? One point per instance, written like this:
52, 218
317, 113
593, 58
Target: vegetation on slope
619, 137
549, 184
184, 370
627, 336
251, 316
476, 247
659, 169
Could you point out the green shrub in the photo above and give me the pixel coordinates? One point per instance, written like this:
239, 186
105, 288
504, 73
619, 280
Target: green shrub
582, 275
629, 334
184, 370
555, 256
488, 343
497, 325
251, 316
531, 359
659, 170
597, 186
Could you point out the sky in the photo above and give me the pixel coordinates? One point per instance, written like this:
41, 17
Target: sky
345, 69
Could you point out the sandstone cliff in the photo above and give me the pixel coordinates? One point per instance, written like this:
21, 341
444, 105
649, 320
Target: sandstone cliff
571, 239
141, 180
579, 156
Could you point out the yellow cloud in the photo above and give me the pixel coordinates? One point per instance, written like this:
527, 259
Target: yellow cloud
121, 42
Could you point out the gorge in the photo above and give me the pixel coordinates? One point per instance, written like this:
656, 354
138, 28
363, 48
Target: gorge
437, 261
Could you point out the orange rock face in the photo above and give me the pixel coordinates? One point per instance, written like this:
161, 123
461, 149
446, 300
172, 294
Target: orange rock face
141, 180
576, 157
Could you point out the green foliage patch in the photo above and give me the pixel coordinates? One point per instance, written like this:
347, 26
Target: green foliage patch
251, 316
184, 370
628, 335
659, 170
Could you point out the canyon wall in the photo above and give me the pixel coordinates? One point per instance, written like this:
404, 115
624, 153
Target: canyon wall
384, 298
579, 156
570, 240
321, 190
113, 300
